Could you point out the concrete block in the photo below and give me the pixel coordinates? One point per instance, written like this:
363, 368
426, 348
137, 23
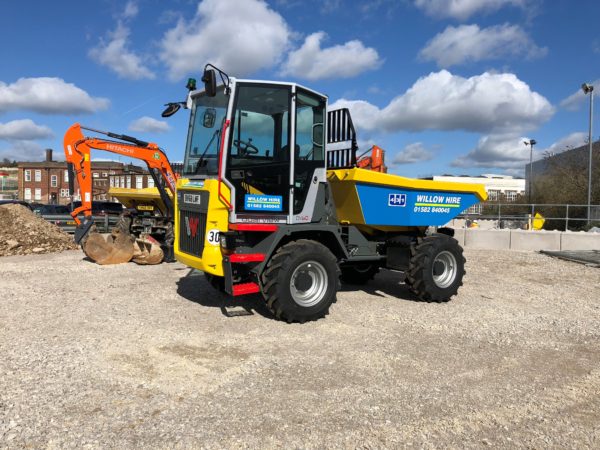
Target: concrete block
491, 239
580, 241
535, 240
459, 235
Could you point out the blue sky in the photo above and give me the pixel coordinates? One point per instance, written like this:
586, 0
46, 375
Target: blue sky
444, 86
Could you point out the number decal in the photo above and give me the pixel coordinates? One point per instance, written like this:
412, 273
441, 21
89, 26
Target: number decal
213, 236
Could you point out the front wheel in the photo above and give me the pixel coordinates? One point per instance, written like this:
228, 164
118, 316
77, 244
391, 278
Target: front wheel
436, 268
301, 281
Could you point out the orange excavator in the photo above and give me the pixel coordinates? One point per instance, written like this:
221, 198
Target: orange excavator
147, 244
375, 162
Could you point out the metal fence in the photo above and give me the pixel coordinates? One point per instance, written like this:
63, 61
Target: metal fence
519, 215
104, 224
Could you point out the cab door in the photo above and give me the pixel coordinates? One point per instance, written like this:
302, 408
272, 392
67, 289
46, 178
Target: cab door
309, 157
258, 159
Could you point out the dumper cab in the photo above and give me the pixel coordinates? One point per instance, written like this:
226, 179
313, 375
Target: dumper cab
265, 204
273, 158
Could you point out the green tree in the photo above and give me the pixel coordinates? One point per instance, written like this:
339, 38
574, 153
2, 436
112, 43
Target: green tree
566, 182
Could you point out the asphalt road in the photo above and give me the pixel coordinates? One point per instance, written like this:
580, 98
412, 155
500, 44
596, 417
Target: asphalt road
151, 357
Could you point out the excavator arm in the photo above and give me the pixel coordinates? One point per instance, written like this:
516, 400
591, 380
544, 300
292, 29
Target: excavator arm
77, 149
375, 162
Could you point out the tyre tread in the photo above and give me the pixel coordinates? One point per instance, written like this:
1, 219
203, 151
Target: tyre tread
423, 254
278, 262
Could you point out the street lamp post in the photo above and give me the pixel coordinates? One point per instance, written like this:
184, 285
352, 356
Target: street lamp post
589, 89
531, 143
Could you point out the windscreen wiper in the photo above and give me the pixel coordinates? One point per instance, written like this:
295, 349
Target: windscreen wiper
199, 164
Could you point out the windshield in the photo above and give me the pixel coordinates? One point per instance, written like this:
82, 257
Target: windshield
206, 122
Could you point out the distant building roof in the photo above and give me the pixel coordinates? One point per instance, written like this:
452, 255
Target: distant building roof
575, 154
485, 175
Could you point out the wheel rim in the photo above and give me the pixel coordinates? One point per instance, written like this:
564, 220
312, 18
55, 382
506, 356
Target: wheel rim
444, 269
308, 283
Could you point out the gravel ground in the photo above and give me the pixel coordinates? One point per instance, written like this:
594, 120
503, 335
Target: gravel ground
151, 357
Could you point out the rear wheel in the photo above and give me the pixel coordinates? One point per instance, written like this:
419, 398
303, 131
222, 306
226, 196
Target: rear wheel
300, 281
436, 268
359, 273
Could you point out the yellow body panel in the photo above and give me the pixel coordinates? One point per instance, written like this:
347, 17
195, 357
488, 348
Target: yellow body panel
369, 176
211, 260
347, 203
131, 198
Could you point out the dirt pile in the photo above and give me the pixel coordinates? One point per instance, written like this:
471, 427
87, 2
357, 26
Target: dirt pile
22, 233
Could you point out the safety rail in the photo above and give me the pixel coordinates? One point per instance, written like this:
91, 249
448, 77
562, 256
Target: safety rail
343, 158
104, 224
340, 128
556, 216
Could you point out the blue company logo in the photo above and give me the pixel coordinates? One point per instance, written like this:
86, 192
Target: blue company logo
396, 199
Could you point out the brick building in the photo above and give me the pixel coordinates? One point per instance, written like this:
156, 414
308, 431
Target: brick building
48, 181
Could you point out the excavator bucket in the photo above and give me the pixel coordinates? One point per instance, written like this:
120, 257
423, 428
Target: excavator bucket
118, 248
147, 251
109, 248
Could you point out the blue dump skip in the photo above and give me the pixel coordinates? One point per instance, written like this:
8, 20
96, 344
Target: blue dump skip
390, 206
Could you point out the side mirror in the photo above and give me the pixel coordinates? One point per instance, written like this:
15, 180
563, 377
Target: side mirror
171, 109
317, 135
208, 119
210, 82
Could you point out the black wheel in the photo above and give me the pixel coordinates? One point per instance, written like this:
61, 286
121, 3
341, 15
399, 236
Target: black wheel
215, 281
167, 246
436, 268
359, 273
123, 224
300, 281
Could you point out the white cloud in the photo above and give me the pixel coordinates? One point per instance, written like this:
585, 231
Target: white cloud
24, 129
412, 153
329, 6
48, 96
23, 151
116, 55
463, 9
443, 101
573, 140
238, 37
574, 101
457, 45
169, 16
505, 150
149, 125
131, 9
508, 151
312, 62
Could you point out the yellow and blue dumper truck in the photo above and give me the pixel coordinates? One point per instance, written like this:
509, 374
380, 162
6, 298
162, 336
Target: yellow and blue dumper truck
267, 205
